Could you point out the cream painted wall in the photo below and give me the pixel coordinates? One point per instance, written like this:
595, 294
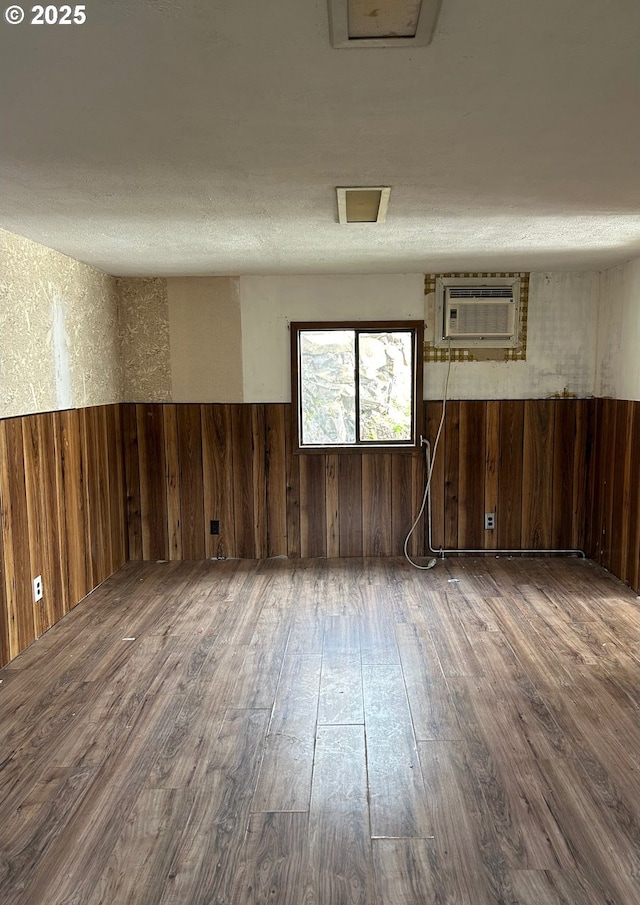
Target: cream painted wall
560, 345
268, 304
206, 343
58, 331
618, 351
561, 341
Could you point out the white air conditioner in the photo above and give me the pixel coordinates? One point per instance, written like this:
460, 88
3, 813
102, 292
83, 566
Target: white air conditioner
477, 313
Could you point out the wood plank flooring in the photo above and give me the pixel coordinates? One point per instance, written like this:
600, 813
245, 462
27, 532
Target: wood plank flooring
328, 732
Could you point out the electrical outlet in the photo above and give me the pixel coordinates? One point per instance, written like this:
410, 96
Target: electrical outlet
214, 526
37, 589
489, 521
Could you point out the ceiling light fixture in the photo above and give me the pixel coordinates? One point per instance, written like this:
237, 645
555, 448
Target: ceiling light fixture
382, 23
363, 204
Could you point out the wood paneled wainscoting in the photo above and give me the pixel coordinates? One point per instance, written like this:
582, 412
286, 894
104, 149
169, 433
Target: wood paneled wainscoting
613, 514
557, 473
62, 515
527, 461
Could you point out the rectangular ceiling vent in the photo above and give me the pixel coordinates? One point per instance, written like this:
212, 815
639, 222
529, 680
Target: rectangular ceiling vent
472, 313
363, 204
382, 23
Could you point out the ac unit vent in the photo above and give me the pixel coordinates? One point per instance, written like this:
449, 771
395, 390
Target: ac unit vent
480, 292
475, 318
471, 315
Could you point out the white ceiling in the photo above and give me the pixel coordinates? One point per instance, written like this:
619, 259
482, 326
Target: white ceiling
168, 137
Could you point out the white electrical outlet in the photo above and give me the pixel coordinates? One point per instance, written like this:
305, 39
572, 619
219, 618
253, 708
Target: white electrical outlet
489, 521
37, 589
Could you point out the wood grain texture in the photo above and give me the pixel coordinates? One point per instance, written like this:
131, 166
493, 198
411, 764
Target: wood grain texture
276, 479
613, 485
190, 766
191, 481
340, 847
132, 481
217, 466
74, 506
174, 491
537, 481
153, 487
313, 502
396, 791
350, 496
243, 499
533, 462
509, 520
62, 515
471, 473
376, 503
433, 414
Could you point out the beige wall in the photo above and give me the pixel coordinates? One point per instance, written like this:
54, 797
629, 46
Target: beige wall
269, 303
561, 332
143, 317
58, 331
206, 339
618, 356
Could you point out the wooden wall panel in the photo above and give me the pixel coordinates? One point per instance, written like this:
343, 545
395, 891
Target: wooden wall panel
293, 490
276, 479
471, 474
153, 483
563, 465
402, 501
313, 537
350, 496
584, 411
259, 480
62, 515
243, 496
74, 520
492, 458
174, 489
519, 459
191, 481
432, 416
509, 518
132, 481
332, 505
376, 504
94, 439
537, 479
42, 514
613, 536
217, 466
15, 539
449, 448
117, 512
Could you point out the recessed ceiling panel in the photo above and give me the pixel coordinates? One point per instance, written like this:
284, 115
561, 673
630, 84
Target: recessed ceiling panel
383, 18
382, 23
363, 204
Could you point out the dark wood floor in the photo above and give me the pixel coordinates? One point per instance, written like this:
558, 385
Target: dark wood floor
328, 732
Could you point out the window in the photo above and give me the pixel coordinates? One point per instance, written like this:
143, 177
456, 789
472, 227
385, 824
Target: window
357, 385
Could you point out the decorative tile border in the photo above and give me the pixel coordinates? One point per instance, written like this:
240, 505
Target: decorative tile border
431, 353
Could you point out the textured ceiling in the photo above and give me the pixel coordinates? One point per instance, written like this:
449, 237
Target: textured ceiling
207, 136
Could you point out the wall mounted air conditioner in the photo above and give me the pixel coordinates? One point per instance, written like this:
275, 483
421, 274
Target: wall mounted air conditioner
477, 312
